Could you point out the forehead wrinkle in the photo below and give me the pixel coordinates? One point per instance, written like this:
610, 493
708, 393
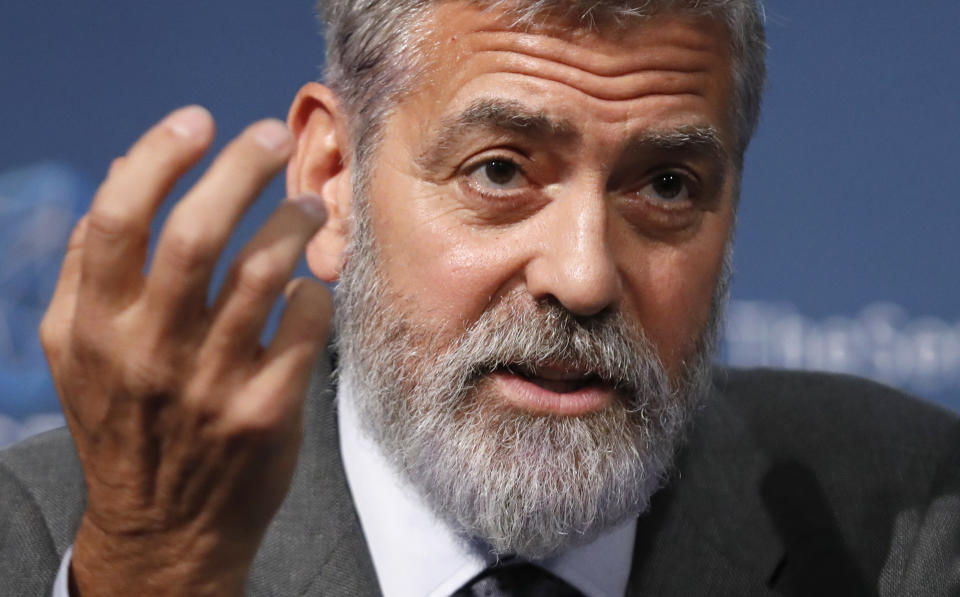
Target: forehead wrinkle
498, 116
666, 79
611, 64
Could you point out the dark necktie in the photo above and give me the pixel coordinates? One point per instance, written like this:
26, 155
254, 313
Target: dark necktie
517, 579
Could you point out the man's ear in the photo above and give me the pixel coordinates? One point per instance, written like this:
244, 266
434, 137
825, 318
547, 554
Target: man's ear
320, 166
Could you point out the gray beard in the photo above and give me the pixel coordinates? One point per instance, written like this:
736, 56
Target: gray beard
524, 483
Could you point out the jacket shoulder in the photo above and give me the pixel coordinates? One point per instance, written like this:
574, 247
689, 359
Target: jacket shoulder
45, 469
837, 413
857, 480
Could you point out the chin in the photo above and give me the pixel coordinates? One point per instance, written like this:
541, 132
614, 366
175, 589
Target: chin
532, 483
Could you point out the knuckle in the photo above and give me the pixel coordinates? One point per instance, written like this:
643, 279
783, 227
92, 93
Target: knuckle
48, 332
187, 249
152, 364
146, 375
110, 222
51, 336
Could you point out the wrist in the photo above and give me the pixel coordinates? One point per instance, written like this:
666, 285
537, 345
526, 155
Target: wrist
155, 564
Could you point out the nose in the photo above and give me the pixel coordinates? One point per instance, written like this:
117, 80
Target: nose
575, 264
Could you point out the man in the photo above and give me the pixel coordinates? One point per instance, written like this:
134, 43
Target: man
529, 208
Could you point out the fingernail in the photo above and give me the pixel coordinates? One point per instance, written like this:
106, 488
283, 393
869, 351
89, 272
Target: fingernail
188, 122
313, 205
272, 134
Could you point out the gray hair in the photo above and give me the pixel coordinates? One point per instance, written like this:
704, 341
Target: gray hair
370, 62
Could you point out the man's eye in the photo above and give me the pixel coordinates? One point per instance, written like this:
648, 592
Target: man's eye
498, 174
668, 187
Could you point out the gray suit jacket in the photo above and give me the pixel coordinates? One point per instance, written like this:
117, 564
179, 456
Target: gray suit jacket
790, 484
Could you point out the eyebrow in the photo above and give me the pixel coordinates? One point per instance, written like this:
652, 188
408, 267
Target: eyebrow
702, 140
512, 117
499, 117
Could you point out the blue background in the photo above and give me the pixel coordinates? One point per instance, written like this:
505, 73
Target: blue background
847, 245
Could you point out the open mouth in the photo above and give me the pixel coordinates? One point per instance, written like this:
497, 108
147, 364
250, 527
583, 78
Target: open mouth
555, 389
556, 379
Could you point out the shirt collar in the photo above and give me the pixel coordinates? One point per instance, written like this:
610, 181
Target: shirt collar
416, 554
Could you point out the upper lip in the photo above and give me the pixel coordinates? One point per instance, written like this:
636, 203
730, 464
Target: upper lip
554, 372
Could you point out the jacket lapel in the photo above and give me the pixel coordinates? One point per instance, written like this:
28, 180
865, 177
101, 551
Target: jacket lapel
315, 545
708, 532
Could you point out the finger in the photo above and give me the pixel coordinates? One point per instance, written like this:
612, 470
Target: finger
57, 320
201, 224
256, 279
289, 359
120, 215
116, 164
70, 267
305, 323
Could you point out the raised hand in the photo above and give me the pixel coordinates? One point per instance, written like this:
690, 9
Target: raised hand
186, 427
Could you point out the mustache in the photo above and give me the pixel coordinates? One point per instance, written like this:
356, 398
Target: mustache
525, 336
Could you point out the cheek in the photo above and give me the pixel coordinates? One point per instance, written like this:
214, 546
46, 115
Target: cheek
446, 271
672, 289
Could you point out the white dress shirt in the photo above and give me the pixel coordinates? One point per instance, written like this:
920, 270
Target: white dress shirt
416, 554
61, 586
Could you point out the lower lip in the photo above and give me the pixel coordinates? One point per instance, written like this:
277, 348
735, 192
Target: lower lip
530, 397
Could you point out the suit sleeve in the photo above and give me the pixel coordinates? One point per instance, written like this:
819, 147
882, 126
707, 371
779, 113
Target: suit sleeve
28, 558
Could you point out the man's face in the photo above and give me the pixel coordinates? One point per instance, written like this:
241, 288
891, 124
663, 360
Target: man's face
543, 162
547, 217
